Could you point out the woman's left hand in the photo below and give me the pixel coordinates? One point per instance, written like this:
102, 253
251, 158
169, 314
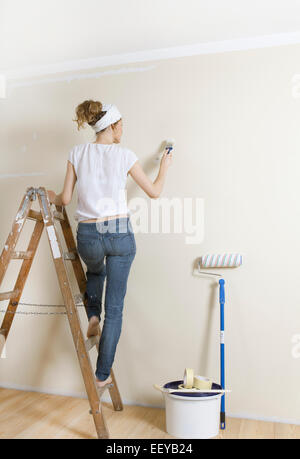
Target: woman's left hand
52, 196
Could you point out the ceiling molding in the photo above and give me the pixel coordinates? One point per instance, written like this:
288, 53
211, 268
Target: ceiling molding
239, 44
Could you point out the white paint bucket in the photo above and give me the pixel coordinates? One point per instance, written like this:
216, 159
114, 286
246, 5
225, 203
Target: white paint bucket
192, 415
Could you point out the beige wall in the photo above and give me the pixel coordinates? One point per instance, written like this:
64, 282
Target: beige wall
236, 124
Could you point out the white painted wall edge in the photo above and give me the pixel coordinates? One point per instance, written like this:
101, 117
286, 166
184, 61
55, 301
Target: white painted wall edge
2, 86
107, 399
238, 44
77, 76
24, 174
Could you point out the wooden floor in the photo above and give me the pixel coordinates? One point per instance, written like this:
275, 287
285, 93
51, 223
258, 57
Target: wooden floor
32, 415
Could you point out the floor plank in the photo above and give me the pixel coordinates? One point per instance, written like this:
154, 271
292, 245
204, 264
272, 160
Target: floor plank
25, 415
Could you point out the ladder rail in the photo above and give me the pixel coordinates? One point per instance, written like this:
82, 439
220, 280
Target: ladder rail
73, 317
8, 254
14, 235
21, 279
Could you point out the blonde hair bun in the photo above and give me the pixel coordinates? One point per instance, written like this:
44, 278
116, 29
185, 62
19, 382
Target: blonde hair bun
89, 112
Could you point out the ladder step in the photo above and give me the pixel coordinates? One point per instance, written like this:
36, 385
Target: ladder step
9, 295
92, 341
69, 256
22, 255
58, 215
33, 215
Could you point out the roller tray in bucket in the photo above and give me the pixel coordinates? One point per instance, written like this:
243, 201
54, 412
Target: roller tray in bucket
181, 393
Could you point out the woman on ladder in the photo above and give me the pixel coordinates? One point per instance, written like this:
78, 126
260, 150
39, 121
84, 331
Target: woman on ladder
105, 237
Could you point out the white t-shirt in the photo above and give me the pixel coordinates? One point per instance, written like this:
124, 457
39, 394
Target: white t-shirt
101, 179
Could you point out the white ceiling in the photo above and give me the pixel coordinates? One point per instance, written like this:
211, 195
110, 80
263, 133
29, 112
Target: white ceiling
43, 32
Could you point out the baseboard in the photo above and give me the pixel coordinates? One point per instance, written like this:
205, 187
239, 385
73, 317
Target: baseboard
107, 399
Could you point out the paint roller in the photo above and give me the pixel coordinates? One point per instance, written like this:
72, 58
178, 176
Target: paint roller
224, 260
169, 145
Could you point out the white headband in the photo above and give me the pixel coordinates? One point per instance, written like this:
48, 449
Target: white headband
112, 116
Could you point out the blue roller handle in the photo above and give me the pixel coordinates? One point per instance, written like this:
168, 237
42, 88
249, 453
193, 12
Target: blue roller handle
222, 350
169, 149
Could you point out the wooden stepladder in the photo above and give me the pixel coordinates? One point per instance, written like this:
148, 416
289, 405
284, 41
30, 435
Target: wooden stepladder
45, 218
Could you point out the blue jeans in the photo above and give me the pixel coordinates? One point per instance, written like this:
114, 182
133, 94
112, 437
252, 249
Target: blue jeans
111, 241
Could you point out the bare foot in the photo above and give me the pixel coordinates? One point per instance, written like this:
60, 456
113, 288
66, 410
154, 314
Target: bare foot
93, 329
104, 383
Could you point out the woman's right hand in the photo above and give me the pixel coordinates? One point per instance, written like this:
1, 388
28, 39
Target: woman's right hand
166, 160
